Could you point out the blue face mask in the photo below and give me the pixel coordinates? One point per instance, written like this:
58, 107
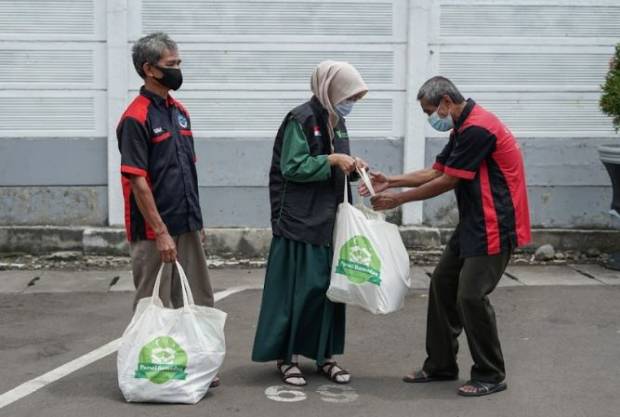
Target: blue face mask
443, 124
344, 108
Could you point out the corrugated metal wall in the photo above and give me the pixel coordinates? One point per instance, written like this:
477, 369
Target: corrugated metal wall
247, 63
537, 64
52, 112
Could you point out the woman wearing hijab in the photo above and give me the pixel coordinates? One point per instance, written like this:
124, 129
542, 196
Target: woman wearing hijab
310, 163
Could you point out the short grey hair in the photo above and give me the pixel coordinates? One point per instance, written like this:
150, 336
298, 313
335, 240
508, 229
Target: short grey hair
436, 88
149, 49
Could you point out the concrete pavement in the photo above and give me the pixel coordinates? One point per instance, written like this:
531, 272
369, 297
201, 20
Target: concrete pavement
560, 334
103, 281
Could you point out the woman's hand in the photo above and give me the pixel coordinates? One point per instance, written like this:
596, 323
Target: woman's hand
343, 161
379, 182
360, 164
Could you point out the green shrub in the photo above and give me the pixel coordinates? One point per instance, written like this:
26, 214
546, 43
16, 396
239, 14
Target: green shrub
610, 100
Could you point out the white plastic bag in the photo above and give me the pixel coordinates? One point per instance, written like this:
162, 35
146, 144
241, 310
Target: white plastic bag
171, 355
371, 265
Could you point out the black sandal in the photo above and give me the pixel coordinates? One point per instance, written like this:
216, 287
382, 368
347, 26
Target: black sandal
286, 376
482, 388
333, 377
421, 377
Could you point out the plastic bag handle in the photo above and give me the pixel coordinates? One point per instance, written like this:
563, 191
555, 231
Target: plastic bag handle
366, 179
155, 295
346, 189
185, 286
188, 298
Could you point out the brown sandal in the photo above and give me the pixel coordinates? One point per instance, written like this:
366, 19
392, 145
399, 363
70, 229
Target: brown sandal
333, 376
285, 376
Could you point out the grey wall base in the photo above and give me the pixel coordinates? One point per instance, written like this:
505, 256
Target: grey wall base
54, 205
568, 186
556, 207
254, 242
64, 183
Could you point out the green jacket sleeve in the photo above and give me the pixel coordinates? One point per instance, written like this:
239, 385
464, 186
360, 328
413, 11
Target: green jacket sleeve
296, 163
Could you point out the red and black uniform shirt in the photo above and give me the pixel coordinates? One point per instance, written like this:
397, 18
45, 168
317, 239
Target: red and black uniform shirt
155, 140
492, 194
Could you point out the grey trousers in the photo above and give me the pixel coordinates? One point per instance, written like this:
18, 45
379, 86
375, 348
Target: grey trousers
146, 261
458, 299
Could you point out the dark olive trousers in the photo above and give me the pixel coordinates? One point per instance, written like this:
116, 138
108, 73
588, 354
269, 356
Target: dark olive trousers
458, 299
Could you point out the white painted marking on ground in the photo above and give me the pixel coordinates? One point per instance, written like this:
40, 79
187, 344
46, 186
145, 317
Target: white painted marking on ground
285, 394
220, 295
337, 393
37, 383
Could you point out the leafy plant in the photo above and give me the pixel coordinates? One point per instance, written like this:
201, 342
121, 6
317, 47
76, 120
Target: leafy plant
610, 100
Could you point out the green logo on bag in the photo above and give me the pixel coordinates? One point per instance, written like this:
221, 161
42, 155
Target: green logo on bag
161, 360
358, 260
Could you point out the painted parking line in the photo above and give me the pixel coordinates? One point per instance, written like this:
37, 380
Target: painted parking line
39, 382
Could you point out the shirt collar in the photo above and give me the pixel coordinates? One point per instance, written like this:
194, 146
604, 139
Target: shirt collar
465, 114
157, 99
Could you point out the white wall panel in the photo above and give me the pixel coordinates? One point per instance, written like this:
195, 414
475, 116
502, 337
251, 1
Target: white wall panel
259, 114
284, 66
52, 19
52, 113
52, 65
349, 21
52, 72
538, 64
495, 67
534, 19
563, 115
247, 63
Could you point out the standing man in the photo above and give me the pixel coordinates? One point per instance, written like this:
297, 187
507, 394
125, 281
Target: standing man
163, 219
482, 162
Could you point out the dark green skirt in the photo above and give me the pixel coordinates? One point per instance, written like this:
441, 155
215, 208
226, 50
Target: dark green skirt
296, 318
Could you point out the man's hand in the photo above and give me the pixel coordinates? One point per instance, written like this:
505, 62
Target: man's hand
166, 247
379, 183
385, 201
203, 235
343, 161
439, 185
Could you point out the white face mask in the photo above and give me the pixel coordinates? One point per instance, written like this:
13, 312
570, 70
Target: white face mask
344, 107
442, 124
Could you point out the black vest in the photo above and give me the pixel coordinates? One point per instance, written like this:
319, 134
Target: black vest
306, 212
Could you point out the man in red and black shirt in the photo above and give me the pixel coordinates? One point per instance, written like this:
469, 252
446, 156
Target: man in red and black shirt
483, 163
163, 219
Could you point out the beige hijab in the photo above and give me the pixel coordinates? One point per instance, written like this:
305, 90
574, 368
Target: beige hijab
333, 82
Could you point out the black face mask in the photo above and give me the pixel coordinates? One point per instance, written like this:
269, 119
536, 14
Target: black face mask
173, 77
